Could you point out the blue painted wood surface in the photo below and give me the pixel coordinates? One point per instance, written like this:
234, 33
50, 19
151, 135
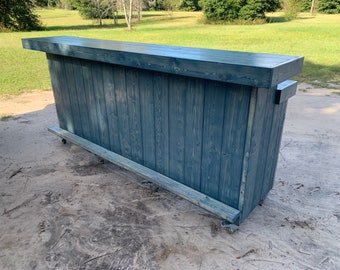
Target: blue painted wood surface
285, 90
254, 69
209, 120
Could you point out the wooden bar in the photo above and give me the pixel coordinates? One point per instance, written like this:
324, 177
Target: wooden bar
204, 124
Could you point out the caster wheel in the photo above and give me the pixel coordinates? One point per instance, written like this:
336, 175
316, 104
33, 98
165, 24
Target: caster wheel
231, 228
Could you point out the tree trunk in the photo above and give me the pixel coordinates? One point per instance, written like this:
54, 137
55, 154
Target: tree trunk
140, 10
99, 12
312, 9
128, 12
115, 17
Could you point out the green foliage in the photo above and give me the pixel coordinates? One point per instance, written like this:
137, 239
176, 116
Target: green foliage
17, 15
306, 6
67, 4
172, 5
86, 8
292, 8
272, 5
252, 10
230, 10
190, 5
93, 9
168, 5
25, 70
221, 10
329, 6
41, 3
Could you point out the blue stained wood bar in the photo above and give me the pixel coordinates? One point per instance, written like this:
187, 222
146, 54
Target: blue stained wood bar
204, 124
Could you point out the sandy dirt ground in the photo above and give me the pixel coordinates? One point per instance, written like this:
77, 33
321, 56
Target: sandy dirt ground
62, 208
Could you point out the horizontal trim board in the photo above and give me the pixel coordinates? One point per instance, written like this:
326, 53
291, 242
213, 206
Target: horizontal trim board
220, 209
285, 90
253, 69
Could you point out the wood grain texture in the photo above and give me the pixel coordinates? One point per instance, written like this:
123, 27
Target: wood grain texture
134, 114
100, 104
61, 86
175, 116
265, 135
176, 137
236, 111
191, 130
77, 73
194, 103
161, 102
111, 108
122, 112
71, 98
285, 90
255, 158
214, 100
147, 114
254, 69
86, 68
274, 147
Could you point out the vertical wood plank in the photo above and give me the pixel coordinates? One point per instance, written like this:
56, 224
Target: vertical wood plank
122, 111
111, 108
233, 143
161, 100
57, 89
81, 97
71, 73
100, 104
66, 105
147, 112
134, 114
177, 87
247, 149
90, 101
212, 137
274, 147
193, 132
255, 151
264, 145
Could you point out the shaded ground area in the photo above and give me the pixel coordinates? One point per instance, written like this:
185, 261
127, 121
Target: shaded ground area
62, 208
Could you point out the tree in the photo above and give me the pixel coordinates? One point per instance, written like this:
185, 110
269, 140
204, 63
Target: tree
329, 6
230, 10
256, 9
17, 15
220, 10
190, 5
127, 6
292, 8
101, 9
313, 7
97, 9
171, 5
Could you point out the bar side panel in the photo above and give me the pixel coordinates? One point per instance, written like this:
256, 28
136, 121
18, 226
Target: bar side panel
264, 149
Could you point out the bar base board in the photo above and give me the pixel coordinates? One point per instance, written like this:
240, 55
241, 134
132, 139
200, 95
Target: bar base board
220, 209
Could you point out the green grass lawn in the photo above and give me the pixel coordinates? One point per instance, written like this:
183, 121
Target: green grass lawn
316, 38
